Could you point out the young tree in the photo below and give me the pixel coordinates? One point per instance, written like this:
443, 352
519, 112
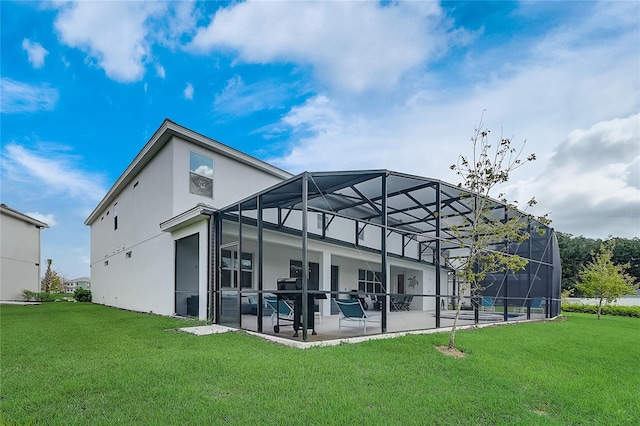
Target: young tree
52, 281
46, 281
482, 236
605, 280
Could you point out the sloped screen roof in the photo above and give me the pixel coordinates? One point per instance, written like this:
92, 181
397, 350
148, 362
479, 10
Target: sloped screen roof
411, 201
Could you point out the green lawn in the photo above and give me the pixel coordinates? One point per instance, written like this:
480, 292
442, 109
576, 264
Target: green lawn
73, 363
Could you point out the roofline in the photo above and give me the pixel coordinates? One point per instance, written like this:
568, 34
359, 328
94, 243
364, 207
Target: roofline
16, 214
375, 172
198, 212
160, 138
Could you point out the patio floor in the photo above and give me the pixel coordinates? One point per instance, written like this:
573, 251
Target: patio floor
398, 323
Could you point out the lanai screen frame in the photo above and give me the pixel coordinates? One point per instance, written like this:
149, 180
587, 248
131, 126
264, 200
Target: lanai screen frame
417, 208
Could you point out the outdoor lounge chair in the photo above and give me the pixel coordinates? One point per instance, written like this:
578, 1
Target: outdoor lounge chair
487, 304
406, 303
281, 311
396, 302
534, 304
352, 311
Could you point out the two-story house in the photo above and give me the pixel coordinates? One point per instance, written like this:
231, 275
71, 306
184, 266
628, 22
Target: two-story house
179, 177
19, 253
196, 228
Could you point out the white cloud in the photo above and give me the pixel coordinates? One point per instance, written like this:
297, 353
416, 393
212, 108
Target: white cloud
35, 52
188, 91
351, 45
593, 180
19, 97
544, 99
179, 21
160, 72
49, 219
239, 98
49, 173
112, 33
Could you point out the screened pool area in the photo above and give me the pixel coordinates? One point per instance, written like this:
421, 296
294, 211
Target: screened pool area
332, 255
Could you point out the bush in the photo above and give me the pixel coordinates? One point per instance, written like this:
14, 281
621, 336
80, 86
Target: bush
620, 311
82, 295
46, 297
29, 295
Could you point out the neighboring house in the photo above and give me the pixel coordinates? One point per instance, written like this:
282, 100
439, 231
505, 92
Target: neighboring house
19, 253
72, 285
195, 228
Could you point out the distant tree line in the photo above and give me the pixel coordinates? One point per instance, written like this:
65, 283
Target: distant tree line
576, 252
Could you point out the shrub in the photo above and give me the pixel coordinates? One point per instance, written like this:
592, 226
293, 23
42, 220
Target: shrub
46, 297
29, 295
621, 311
82, 295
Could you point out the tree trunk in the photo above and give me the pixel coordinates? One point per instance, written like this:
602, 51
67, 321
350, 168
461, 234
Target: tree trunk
599, 307
452, 336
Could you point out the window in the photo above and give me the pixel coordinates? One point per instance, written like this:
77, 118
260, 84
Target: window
361, 231
128, 254
115, 217
200, 175
106, 263
369, 281
319, 221
229, 269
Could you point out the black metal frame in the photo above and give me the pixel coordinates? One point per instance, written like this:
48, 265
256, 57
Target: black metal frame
414, 207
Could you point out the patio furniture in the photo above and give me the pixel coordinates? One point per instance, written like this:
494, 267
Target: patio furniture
487, 304
406, 302
534, 304
352, 311
281, 311
396, 302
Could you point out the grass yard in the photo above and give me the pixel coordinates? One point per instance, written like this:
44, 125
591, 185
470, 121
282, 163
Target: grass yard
80, 363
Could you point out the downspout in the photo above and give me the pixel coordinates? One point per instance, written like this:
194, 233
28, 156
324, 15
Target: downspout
211, 255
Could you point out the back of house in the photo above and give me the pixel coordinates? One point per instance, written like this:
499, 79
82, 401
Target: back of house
150, 234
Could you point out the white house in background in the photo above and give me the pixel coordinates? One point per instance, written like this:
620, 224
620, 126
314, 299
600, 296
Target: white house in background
196, 228
19, 253
72, 285
179, 178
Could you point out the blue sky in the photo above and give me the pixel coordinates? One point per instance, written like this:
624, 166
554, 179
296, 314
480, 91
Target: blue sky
322, 86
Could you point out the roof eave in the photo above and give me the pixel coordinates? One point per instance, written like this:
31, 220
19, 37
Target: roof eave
16, 214
193, 215
165, 132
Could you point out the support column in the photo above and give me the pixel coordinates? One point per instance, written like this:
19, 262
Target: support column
239, 263
325, 286
305, 254
505, 313
260, 253
437, 256
383, 248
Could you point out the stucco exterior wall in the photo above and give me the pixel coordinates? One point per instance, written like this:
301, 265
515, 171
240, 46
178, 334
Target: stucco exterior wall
233, 180
280, 248
20, 257
133, 266
141, 280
